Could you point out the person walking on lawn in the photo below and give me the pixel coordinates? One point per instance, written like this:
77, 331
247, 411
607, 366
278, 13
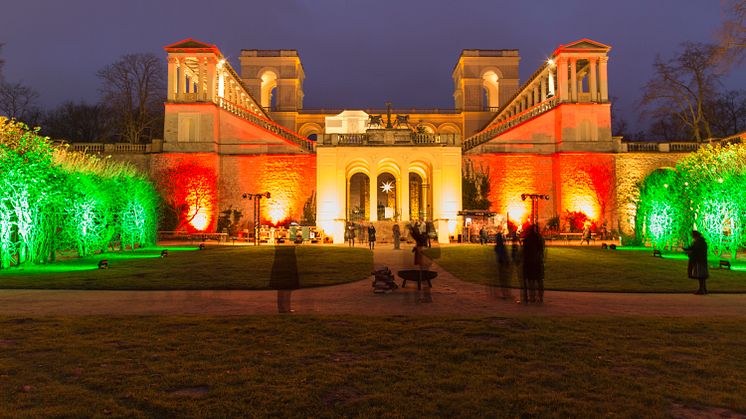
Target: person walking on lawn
697, 267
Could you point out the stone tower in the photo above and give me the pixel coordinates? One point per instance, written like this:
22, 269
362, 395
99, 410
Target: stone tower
484, 80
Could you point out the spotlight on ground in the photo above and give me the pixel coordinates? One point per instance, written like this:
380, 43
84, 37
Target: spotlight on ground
164, 253
201, 246
612, 246
657, 254
604, 246
103, 264
724, 264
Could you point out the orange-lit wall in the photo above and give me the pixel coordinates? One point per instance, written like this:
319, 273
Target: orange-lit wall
290, 179
570, 180
514, 174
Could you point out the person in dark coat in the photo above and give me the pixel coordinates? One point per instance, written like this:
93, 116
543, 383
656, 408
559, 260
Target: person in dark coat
482, 236
503, 266
371, 237
350, 234
697, 268
396, 231
533, 265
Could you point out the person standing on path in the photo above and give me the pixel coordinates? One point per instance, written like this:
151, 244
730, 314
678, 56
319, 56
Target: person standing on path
396, 231
371, 237
351, 234
503, 267
697, 267
284, 276
482, 235
533, 265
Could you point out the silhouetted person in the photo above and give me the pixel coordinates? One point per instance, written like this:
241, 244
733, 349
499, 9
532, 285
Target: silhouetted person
350, 233
697, 268
396, 231
371, 237
430, 232
586, 235
284, 276
503, 266
517, 260
482, 236
533, 264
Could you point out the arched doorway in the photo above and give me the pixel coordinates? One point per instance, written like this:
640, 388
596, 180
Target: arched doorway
358, 198
417, 204
386, 197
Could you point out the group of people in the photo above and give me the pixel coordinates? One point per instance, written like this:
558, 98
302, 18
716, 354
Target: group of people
350, 234
426, 230
526, 259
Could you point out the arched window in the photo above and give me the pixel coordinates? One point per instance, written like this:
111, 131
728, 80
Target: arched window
269, 83
491, 90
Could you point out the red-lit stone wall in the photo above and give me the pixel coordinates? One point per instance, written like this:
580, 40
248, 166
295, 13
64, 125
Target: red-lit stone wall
195, 176
574, 182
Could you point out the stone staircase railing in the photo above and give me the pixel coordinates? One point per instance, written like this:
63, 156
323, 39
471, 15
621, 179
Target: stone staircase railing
266, 124
496, 129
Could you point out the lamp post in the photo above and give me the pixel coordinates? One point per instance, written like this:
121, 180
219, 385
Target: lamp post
256, 199
534, 205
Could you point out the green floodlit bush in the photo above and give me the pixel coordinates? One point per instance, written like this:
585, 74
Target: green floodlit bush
706, 192
52, 199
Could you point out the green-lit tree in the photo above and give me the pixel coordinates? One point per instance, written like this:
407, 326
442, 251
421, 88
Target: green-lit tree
662, 209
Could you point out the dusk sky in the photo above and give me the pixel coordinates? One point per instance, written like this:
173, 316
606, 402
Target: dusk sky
356, 54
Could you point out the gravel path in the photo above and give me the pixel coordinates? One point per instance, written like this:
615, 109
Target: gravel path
449, 296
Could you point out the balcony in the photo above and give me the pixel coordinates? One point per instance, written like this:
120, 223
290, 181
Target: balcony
384, 137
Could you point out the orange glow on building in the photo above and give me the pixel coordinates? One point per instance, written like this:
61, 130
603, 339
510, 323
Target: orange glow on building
200, 220
290, 180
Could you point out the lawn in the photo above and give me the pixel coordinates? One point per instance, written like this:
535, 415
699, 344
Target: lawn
185, 268
289, 366
593, 269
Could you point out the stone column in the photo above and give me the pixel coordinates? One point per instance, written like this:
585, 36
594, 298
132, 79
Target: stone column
603, 79
201, 86
173, 81
210, 82
562, 78
543, 88
373, 193
180, 80
574, 79
536, 94
592, 84
403, 188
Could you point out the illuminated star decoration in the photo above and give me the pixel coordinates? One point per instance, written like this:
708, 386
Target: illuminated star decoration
387, 186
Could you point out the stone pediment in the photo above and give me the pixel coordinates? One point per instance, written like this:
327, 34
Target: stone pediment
585, 45
191, 45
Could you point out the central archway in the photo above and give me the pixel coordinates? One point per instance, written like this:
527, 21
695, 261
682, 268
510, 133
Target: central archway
386, 199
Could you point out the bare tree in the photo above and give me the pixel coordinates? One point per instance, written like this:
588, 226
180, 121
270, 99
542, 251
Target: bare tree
19, 101
2, 63
732, 35
134, 88
78, 122
681, 87
727, 113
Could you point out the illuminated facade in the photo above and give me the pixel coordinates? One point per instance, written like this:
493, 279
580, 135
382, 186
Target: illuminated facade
249, 132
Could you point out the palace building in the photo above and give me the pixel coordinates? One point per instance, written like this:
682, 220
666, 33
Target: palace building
231, 132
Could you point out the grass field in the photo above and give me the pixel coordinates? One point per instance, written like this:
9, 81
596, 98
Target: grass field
223, 267
353, 366
593, 269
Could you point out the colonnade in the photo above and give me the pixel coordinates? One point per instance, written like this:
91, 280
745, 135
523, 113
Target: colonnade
206, 77
570, 76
